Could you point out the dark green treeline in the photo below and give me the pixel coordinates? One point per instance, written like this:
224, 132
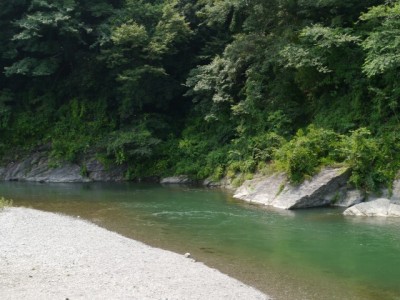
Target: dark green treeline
205, 87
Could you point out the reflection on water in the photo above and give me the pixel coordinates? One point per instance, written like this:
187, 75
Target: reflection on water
307, 254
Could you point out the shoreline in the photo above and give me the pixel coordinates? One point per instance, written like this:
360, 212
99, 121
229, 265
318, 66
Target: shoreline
47, 256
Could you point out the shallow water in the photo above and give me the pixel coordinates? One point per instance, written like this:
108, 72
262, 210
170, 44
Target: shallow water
306, 254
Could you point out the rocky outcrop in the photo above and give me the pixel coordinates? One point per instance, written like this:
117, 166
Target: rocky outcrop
208, 182
2, 172
275, 190
96, 171
396, 190
381, 207
345, 197
224, 183
262, 190
181, 179
39, 168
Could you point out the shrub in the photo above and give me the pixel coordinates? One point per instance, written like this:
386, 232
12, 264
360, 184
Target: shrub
303, 155
374, 161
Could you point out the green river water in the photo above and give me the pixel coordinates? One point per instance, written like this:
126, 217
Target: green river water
305, 254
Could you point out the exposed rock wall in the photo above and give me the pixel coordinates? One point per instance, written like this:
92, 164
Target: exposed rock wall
345, 197
38, 168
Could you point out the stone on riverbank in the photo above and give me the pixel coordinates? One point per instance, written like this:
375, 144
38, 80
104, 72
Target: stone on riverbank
275, 190
37, 167
181, 179
96, 171
381, 207
396, 190
346, 197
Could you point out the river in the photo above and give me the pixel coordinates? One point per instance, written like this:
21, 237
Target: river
304, 254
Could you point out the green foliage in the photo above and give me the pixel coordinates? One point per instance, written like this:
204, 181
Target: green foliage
80, 126
382, 42
321, 43
130, 33
374, 161
205, 88
302, 156
5, 202
136, 143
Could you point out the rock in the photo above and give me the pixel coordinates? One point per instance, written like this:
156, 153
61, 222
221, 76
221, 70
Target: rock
181, 179
96, 171
262, 190
347, 198
211, 183
381, 207
394, 210
224, 183
275, 190
187, 255
383, 193
396, 190
37, 167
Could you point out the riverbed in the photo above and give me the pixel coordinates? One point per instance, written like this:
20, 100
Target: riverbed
306, 254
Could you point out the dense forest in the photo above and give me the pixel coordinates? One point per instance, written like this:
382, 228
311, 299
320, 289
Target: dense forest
207, 88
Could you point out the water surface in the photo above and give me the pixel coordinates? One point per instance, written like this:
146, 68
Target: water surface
306, 254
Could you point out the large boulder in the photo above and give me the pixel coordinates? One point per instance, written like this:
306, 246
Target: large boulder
381, 207
275, 190
262, 189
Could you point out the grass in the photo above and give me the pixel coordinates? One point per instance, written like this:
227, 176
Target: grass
5, 202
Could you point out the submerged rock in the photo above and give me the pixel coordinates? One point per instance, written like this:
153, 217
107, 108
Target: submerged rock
381, 207
275, 190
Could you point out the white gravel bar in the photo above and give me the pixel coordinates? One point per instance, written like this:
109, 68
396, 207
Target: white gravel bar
50, 256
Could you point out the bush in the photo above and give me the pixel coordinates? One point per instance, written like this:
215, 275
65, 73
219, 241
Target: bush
374, 161
80, 126
302, 156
